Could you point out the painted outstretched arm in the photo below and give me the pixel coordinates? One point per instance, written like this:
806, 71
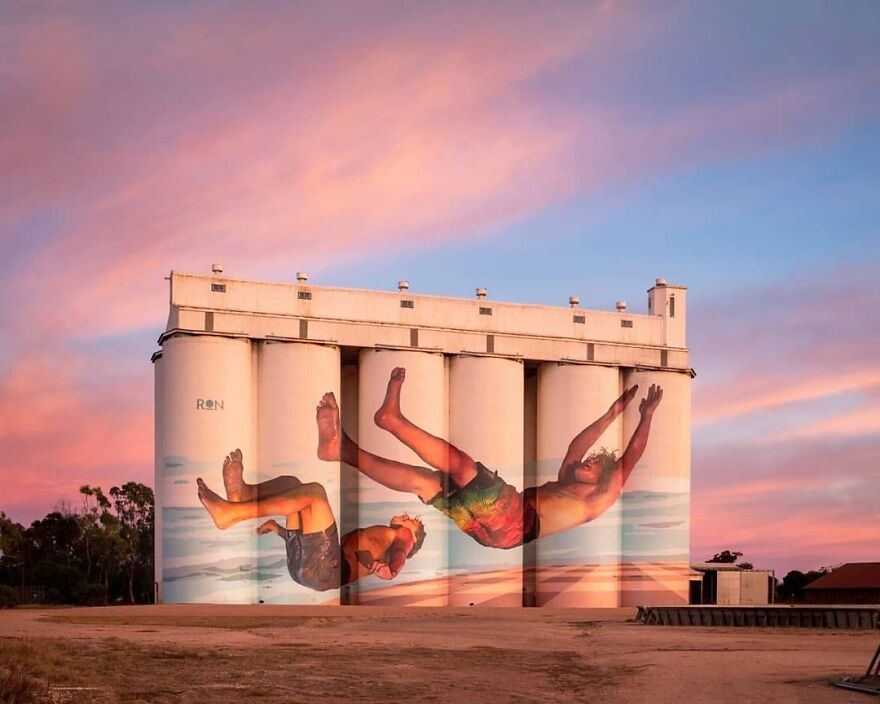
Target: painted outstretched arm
585, 439
639, 440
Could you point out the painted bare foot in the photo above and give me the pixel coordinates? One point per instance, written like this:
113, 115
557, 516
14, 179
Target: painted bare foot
328, 428
232, 475
270, 526
388, 416
215, 505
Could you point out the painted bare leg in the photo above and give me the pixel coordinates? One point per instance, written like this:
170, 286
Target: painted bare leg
335, 445
438, 453
233, 481
228, 513
329, 433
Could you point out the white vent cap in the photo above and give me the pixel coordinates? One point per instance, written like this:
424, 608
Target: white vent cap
574, 301
621, 306
660, 282
302, 276
216, 268
403, 285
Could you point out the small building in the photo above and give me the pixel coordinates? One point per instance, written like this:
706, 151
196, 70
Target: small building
852, 583
726, 584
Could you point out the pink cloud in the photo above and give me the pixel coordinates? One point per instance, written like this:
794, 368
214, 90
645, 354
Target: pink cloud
859, 422
807, 505
746, 397
772, 349
252, 138
60, 429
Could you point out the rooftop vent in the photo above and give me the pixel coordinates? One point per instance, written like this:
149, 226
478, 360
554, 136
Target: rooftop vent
574, 301
481, 293
403, 286
621, 306
660, 282
302, 277
216, 268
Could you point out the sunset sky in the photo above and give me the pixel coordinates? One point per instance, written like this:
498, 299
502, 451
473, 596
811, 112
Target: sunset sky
537, 149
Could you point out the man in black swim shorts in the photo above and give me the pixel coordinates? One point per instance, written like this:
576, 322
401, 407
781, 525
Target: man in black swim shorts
315, 557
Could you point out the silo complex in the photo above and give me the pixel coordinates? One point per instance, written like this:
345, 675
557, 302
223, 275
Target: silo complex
292, 377
572, 397
486, 422
207, 409
243, 365
656, 499
422, 402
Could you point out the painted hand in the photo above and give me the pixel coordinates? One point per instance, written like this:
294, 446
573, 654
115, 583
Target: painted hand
651, 401
621, 403
381, 570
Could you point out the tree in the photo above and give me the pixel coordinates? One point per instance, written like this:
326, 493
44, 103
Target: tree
726, 556
134, 504
102, 553
792, 586
95, 505
12, 549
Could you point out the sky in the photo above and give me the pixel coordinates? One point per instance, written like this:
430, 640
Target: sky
537, 149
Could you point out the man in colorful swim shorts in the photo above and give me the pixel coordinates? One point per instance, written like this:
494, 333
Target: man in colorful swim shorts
315, 557
477, 500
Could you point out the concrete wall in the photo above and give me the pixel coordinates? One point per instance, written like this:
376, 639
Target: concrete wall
742, 588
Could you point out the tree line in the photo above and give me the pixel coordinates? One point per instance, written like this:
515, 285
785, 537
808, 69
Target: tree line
99, 553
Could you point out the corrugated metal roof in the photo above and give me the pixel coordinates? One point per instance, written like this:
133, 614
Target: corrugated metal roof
852, 575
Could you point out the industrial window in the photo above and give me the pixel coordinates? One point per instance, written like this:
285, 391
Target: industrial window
490, 344
664, 358
407, 304
218, 288
591, 352
626, 323
485, 311
209, 321
414, 337
304, 295
580, 319
672, 306
303, 329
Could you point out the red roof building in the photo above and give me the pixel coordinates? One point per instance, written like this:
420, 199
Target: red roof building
852, 583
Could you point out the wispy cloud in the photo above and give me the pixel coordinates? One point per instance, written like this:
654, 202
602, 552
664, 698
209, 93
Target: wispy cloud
146, 137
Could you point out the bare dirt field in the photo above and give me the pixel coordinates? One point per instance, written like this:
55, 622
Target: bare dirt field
379, 654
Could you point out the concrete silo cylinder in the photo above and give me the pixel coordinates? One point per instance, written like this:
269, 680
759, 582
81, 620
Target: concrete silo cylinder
570, 398
204, 408
423, 401
486, 422
656, 499
292, 377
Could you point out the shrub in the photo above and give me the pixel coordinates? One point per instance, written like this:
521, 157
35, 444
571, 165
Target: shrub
17, 687
53, 596
8, 597
90, 594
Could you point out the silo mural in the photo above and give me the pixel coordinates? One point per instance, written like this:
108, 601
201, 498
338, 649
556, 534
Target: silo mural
655, 504
207, 409
578, 424
292, 376
402, 421
309, 470
486, 421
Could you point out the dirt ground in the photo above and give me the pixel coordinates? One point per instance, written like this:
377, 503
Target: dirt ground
379, 654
